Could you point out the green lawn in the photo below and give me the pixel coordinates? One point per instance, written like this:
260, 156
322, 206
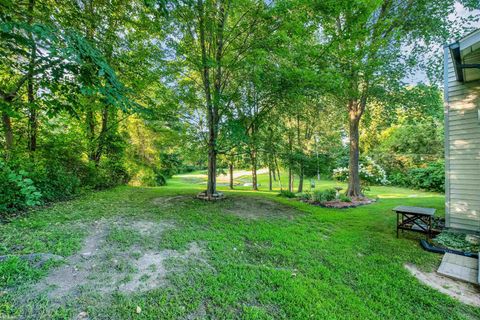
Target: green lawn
243, 257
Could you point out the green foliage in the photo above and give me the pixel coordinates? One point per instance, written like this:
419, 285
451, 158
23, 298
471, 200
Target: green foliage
286, 194
304, 196
106, 175
170, 164
325, 195
54, 181
17, 191
344, 198
431, 177
15, 270
456, 240
160, 179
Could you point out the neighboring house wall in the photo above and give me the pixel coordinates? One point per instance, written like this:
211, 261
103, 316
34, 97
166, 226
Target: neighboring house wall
462, 147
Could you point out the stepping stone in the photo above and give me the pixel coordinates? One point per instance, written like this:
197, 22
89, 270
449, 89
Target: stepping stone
459, 267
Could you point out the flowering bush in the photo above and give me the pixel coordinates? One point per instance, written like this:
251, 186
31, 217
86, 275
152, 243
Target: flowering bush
370, 173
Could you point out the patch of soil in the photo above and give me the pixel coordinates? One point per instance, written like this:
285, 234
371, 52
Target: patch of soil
104, 266
338, 204
170, 201
462, 291
258, 208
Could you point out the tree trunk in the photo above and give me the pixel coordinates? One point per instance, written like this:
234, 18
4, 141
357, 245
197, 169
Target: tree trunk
32, 118
230, 166
278, 172
90, 119
299, 145
290, 163
300, 179
354, 188
212, 168
7, 128
290, 179
270, 177
253, 159
33, 127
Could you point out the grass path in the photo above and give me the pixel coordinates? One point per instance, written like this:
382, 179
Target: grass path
258, 257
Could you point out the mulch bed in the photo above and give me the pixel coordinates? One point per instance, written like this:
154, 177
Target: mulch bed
338, 204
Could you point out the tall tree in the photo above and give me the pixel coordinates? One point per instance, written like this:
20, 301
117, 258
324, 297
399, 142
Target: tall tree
369, 48
212, 39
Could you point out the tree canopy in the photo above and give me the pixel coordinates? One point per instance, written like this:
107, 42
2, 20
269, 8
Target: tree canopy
96, 93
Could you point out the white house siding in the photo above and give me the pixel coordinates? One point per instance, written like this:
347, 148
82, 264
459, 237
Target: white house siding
462, 147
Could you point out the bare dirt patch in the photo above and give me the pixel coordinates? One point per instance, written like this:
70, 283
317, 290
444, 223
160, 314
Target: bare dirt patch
113, 259
258, 208
462, 291
171, 201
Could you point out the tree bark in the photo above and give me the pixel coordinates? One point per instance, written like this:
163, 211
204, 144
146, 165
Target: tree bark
32, 118
230, 166
290, 179
253, 159
90, 119
354, 187
278, 172
300, 179
299, 145
270, 177
290, 163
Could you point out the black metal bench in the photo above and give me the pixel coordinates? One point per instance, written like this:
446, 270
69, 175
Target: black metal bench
415, 219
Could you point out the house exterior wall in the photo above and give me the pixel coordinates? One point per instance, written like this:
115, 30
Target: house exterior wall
462, 147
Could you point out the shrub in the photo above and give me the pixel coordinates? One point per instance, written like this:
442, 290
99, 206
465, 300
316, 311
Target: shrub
17, 191
370, 173
55, 182
286, 194
323, 196
431, 178
106, 175
344, 198
160, 179
304, 196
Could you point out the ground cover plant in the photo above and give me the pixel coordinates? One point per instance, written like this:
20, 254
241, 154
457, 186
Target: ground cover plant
154, 253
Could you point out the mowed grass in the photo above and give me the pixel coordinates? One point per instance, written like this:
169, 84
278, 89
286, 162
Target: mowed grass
320, 264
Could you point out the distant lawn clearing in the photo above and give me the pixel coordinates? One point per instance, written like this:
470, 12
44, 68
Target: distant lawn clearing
159, 253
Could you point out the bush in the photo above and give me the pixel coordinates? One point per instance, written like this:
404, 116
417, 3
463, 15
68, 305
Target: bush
17, 191
323, 196
286, 194
160, 179
106, 175
304, 196
55, 182
431, 178
370, 173
344, 198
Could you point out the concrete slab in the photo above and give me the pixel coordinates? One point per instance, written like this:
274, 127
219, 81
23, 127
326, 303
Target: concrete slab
460, 267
